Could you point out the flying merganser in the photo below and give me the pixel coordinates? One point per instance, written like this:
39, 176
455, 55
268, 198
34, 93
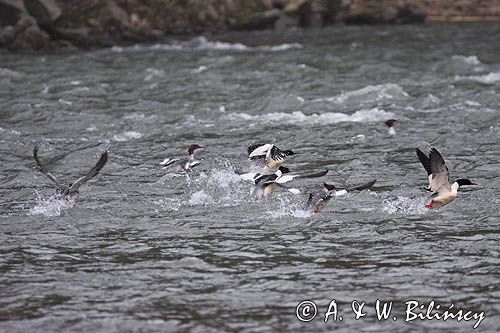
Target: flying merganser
71, 192
265, 184
438, 175
182, 164
319, 199
274, 157
390, 123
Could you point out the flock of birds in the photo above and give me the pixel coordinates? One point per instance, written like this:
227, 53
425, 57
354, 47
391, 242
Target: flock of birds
268, 173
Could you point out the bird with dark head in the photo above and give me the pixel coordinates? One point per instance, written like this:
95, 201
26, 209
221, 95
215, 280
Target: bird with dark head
318, 200
183, 163
390, 123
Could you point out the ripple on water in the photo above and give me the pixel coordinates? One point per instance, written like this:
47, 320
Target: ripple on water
201, 254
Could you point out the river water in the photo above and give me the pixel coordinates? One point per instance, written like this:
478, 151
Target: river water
143, 252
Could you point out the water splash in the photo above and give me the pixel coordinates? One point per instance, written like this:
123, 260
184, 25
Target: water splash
404, 205
288, 206
52, 206
200, 198
223, 185
169, 204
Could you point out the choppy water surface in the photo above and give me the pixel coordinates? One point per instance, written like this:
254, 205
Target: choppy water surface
143, 252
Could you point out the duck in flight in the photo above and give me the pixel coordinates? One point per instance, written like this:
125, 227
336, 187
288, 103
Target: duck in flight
266, 184
182, 164
274, 157
72, 191
442, 192
319, 199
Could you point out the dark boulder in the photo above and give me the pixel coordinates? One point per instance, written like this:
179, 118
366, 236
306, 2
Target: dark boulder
10, 12
46, 12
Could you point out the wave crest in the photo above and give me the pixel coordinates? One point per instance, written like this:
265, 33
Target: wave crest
326, 118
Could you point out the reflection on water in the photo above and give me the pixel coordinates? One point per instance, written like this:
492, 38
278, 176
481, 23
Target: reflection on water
142, 251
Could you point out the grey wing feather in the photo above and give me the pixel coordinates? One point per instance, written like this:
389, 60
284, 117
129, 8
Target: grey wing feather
425, 160
309, 200
94, 171
312, 175
363, 186
41, 168
439, 172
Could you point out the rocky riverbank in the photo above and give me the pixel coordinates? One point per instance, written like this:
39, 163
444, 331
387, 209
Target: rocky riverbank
47, 25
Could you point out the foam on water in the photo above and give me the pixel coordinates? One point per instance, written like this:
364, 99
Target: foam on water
381, 92
153, 73
202, 43
468, 60
489, 78
297, 117
127, 136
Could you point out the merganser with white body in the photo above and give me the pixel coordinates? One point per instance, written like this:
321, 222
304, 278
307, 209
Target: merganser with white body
182, 164
265, 184
390, 123
273, 156
71, 192
319, 199
438, 175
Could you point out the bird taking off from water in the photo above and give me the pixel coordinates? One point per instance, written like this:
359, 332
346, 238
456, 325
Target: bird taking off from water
438, 175
319, 199
182, 164
274, 157
71, 191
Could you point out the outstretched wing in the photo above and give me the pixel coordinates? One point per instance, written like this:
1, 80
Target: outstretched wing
259, 150
439, 172
94, 171
265, 179
425, 160
309, 200
42, 169
167, 162
363, 186
286, 177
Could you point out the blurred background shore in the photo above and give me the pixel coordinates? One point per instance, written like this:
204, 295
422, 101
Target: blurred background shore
52, 25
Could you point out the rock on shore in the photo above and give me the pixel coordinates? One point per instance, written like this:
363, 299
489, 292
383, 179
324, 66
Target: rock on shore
44, 25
